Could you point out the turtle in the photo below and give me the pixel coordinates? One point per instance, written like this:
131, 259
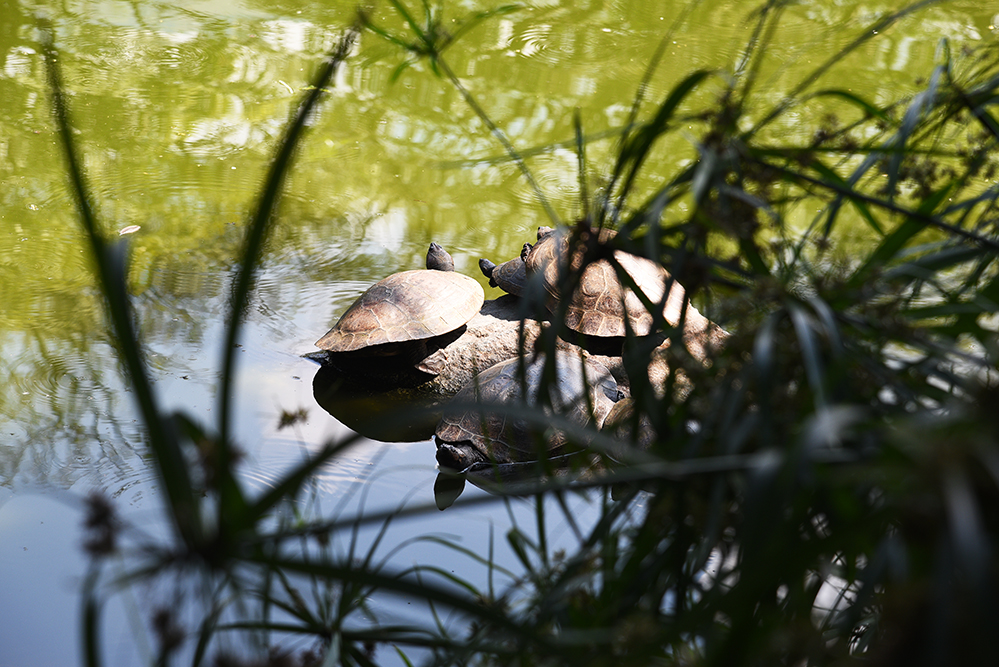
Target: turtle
404, 320
621, 422
511, 275
601, 303
475, 438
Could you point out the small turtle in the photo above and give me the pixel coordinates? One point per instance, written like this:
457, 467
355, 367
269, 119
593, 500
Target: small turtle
405, 319
476, 438
600, 303
510, 276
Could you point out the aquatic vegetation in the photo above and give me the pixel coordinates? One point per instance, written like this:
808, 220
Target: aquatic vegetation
819, 489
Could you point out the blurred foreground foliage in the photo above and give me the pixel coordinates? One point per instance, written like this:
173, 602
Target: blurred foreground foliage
823, 490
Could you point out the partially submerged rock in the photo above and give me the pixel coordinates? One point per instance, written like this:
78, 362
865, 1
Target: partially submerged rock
500, 331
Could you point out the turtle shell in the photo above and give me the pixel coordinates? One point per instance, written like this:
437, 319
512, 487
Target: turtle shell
484, 435
601, 303
510, 276
621, 422
405, 307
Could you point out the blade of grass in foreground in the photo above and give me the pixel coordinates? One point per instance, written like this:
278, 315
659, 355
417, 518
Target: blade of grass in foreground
111, 269
407, 587
230, 495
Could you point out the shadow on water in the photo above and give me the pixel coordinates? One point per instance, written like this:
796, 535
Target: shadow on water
394, 415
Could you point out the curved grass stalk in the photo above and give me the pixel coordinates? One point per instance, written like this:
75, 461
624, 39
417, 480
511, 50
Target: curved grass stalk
256, 236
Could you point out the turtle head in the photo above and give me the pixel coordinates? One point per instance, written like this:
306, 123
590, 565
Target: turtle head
439, 259
486, 267
456, 457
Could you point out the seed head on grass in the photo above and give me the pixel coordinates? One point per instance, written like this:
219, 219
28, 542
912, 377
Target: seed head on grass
101, 526
168, 631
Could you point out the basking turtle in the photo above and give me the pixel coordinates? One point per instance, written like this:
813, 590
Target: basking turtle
404, 320
511, 275
600, 303
475, 438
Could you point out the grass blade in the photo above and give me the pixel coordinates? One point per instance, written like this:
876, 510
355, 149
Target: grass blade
110, 260
256, 236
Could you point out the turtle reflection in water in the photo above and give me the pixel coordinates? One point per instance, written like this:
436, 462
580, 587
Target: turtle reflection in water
396, 329
581, 391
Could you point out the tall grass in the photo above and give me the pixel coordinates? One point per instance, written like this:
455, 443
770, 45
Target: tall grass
823, 490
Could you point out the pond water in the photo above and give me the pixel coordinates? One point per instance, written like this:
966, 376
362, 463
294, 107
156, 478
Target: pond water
177, 108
